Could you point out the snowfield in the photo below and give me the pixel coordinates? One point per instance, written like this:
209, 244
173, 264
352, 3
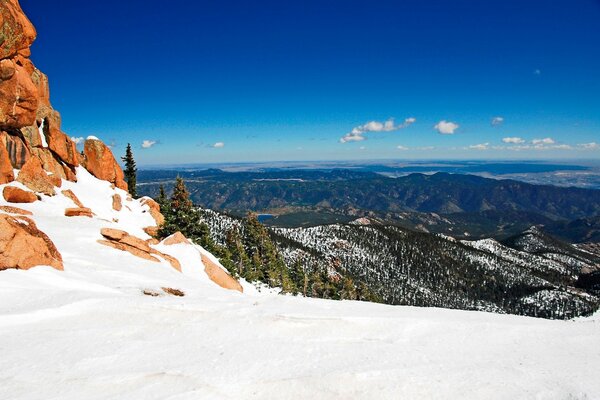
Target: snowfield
89, 332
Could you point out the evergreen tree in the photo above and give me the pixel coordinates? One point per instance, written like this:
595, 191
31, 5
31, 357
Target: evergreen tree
181, 215
130, 171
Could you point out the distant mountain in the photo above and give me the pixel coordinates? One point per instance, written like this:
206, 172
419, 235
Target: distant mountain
530, 274
465, 205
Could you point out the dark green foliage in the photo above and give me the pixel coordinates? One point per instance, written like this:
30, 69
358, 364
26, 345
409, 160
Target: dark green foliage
130, 171
181, 215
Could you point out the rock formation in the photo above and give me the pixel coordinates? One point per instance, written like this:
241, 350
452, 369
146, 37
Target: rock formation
123, 241
15, 195
23, 245
29, 126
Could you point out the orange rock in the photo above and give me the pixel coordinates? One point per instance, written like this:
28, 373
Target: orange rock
56, 180
15, 210
175, 238
35, 178
219, 276
122, 240
6, 169
18, 100
151, 241
123, 247
15, 195
113, 234
69, 193
18, 151
116, 202
64, 148
101, 163
151, 230
23, 245
79, 212
154, 210
172, 260
7, 69
69, 174
18, 32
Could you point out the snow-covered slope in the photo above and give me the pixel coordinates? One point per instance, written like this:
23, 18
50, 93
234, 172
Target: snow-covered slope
89, 332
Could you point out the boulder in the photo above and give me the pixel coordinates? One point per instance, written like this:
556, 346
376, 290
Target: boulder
79, 212
35, 178
151, 230
175, 238
220, 276
122, 240
69, 193
15, 210
123, 247
117, 205
18, 100
101, 163
6, 170
154, 209
16, 31
23, 245
60, 144
16, 195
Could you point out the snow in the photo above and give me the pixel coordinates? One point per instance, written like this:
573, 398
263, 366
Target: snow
89, 332
42, 136
92, 138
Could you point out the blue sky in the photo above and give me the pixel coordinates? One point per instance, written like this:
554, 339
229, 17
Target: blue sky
210, 81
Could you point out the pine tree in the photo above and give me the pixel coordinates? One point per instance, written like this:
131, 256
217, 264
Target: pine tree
130, 171
181, 215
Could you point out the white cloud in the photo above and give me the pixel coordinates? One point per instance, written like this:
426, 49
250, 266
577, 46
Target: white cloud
402, 147
77, 140
590, 146
350, 137
537, 72
481, 146
446, 127
425, 148
362, 148
496, 121
543, 141
218, 145
513, 140
357, 133
146, 144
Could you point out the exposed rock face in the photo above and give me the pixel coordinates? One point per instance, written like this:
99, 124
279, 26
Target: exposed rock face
122, 240
35, 178
154, 210
16, 195
151, 230
29, 126
23, 245
16, 31
6, 169
101, 163
79, 212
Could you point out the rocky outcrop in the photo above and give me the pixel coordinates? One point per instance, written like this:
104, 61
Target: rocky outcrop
23, 245
79, 212
154, 208
17, 195
101, 163
175, 238
6, 169
219, 276
123, 241
29, 126
35, 177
